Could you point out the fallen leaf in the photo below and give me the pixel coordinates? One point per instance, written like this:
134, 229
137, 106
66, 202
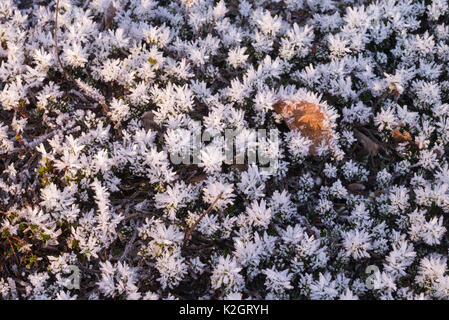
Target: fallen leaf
368, 144
399, 136
307, 118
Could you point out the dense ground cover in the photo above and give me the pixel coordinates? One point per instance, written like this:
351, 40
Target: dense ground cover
92, 207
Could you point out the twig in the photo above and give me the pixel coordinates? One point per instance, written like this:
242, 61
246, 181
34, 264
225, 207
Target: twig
79, 95
86, 4
38, 141
187, 236
13, 251
23, 114
134, 215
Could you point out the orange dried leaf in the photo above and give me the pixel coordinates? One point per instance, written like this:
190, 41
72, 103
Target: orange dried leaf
399, 136
307, 118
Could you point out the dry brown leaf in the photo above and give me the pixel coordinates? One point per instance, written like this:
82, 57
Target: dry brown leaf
148, 121
371, 146
307, 118
399, 136
354, 187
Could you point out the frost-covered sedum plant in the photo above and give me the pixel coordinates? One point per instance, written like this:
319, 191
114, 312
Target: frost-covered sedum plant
94, 105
